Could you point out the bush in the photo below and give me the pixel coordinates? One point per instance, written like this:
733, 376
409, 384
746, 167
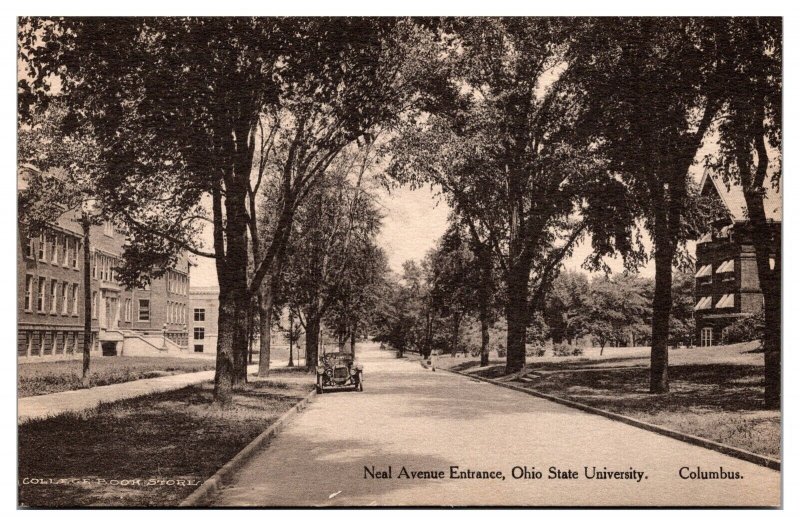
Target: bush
744, 329
562, 349
473, 348
535, 350
501, 350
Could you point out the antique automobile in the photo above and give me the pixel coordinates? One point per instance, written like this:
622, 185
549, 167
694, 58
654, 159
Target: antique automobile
338, 369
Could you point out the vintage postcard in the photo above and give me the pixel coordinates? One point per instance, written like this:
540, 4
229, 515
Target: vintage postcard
302, 262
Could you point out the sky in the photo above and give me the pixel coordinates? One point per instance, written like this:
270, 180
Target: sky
415, 219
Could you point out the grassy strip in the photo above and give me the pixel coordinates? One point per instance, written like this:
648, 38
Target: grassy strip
55, 377
722, 402
175, 436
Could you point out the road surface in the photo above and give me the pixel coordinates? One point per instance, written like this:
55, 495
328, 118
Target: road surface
409, 417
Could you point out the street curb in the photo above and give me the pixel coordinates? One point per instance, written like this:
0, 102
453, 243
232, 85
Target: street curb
215, 483
741, 454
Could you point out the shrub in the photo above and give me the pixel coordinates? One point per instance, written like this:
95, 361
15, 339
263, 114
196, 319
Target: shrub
501, 350
744, 329
473, 348
561, 349
536, 350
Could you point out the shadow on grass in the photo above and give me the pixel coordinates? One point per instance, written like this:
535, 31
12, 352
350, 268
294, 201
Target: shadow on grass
712, 387
721, 402
172, 435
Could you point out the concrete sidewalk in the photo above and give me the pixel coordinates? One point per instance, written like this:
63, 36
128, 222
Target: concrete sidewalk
49, 405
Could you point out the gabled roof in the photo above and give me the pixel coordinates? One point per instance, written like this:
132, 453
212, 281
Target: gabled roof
732, 197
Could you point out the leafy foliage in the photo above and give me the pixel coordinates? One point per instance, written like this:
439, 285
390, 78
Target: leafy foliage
745, 329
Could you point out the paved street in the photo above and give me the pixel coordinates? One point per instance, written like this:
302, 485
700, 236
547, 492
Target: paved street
411, 417
43, 406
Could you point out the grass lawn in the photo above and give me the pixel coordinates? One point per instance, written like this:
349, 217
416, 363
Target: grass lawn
55, 377
173, 436
716, 395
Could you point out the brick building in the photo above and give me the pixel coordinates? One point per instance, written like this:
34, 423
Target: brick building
50, 306
727, 286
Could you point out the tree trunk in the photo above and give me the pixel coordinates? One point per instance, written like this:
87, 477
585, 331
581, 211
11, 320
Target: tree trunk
265, 332
662, 304
454, 335
87, 301
769, 281
234, 300
353, 340
312, 341
764, 239
250, 334
291, 341
517, 318
484, 341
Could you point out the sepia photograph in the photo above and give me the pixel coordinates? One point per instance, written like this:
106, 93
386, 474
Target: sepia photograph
399, 262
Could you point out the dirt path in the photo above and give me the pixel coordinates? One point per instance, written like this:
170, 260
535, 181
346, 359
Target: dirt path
411, 417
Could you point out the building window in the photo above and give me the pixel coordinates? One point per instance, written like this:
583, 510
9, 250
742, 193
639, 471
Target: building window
53, 296
42, 247
199, 315
64, 299
144, 310
74, 299
94, 265
54, 249
94, 305
706, 335
65, 251
31, 250
40, 297
28, 292
75, 254
198, 348
199, 333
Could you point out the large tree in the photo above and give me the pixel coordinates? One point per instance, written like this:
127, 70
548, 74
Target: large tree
507, 157
187, 96
655, 92
750, 156
333, 240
